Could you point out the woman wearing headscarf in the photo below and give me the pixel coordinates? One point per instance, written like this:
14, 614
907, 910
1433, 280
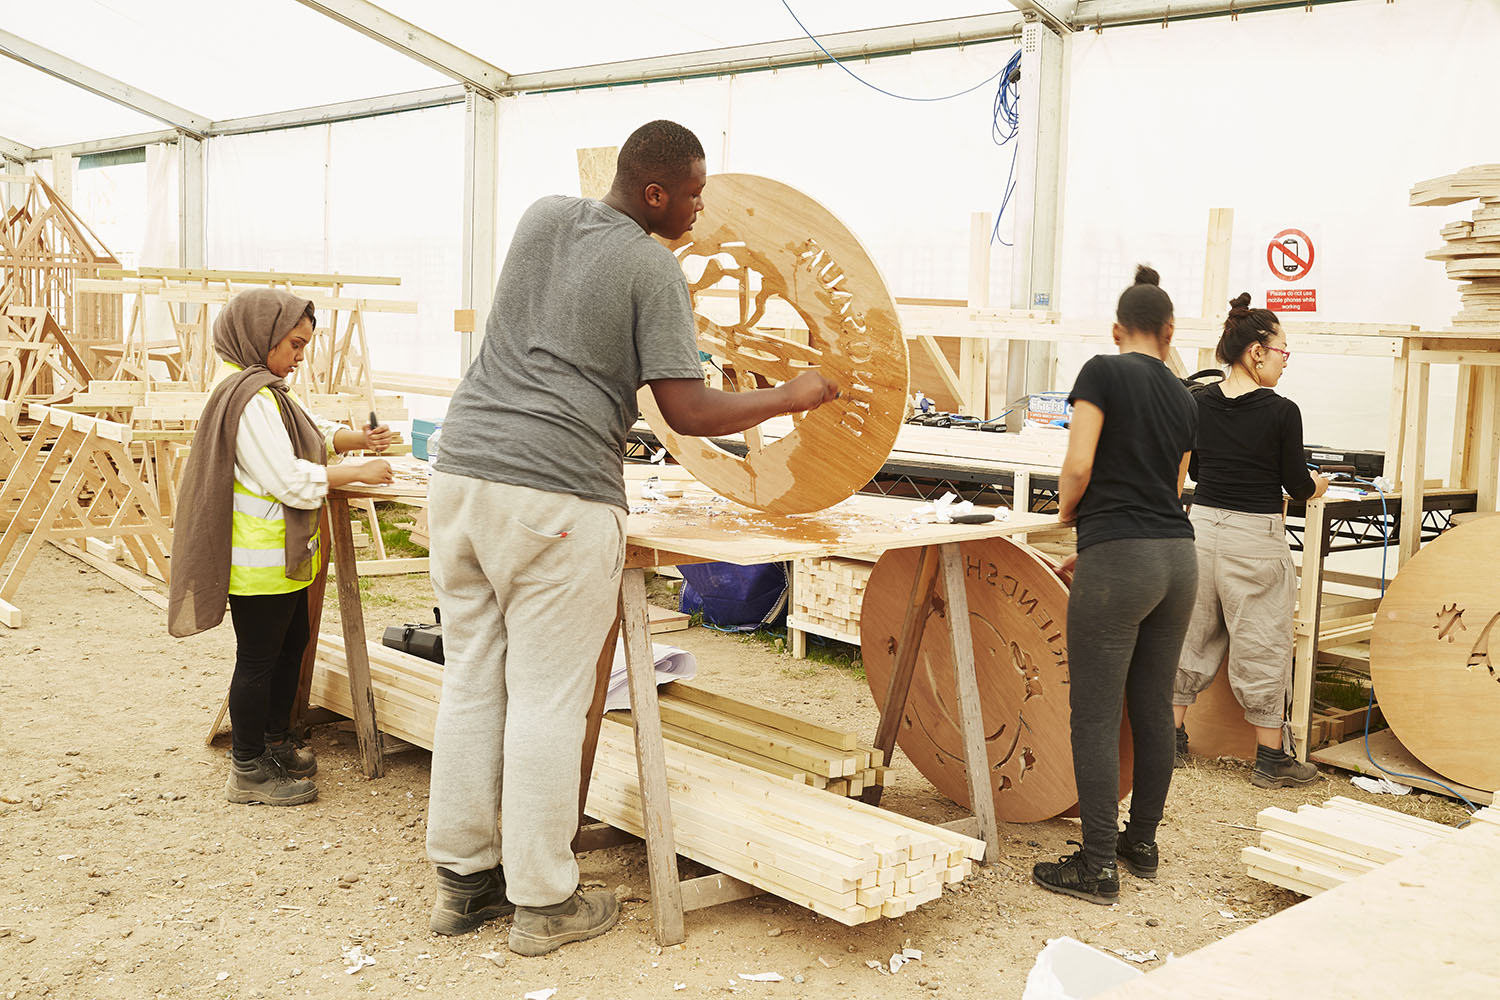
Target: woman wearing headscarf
247, 531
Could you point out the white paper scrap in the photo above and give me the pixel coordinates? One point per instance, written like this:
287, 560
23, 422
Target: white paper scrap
546, 994
356, 959
1379, 786
912, 954
761, 977
1135, 956
896, 962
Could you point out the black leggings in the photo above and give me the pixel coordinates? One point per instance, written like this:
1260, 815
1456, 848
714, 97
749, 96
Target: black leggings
1127, 614
270, 632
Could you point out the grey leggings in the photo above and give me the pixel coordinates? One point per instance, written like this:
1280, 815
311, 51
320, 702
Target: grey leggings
1128, 611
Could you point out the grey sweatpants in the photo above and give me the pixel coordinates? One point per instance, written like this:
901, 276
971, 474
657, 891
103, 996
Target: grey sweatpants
1247, 593
528, 584
1127, 613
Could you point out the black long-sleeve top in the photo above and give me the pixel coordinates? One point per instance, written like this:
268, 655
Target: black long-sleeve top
1248, 450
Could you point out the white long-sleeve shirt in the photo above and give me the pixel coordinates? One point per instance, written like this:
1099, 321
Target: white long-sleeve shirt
265, 463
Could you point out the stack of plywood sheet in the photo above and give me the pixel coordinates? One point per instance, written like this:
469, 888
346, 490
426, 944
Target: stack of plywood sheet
1320, 847
768, 740
1471, 252
827, 594
840, 858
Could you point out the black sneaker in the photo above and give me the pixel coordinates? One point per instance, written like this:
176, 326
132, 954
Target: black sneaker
1071, 876
1182, 750
1279, 769
1141, 860
466, 901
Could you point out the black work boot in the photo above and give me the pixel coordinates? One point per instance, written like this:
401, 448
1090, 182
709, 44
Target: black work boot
293, 754
466, 901
540, 929
1141, 860
1072, 876
1182, 750
265, 781
1275, 768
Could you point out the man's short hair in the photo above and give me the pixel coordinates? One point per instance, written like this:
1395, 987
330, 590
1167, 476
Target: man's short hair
660, 152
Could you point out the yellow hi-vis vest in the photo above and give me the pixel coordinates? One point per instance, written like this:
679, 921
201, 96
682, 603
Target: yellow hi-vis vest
257, 555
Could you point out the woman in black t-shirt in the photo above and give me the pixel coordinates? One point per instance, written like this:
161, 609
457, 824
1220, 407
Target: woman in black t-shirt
1132, 588
1249, 449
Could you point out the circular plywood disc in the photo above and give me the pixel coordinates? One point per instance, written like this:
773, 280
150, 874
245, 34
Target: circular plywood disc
1018, 613
790, 262
1435, 654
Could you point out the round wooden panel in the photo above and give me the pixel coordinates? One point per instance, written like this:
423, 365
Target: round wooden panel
1435, 654
1018, 613
791, 263
1216, 725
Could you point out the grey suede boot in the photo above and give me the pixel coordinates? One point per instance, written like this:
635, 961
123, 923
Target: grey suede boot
264, 781
540, 929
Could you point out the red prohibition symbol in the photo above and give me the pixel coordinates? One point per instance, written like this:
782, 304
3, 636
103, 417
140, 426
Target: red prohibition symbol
1290, 255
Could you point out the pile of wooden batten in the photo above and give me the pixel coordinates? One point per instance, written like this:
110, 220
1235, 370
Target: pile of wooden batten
768, 740
1321, 847
836, 856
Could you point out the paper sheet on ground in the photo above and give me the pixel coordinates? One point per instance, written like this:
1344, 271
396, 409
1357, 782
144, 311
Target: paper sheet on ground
672, 664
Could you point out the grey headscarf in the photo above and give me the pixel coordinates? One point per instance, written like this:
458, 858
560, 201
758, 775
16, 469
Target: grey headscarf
247, 328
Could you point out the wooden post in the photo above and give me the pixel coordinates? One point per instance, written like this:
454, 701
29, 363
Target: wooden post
361, 695
1216, 275
1461, 472
651, 763
315, 594
923, 587
1486, 417
603, 667
974, 352
1307, 621
966, 685
1413, 459
1396, 417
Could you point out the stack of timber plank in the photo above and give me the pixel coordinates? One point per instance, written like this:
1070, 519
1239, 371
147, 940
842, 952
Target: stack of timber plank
827, 594
1471, 252
768, 740
1321, 847
407, 689
843, 859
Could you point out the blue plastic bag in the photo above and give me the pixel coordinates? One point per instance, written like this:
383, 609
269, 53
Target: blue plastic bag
738, 598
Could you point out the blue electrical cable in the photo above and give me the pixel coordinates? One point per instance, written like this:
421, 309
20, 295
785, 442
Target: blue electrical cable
1385, 531
1004, 128
867, 83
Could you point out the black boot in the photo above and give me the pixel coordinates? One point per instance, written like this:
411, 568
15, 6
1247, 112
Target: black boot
1182, 750
1275, 768
466, 901
1072, 876
293, 755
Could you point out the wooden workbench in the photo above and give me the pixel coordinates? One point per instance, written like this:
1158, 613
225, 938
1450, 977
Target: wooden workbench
703, 527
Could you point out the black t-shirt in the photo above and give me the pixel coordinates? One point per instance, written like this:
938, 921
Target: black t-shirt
1149, 423
1249, 449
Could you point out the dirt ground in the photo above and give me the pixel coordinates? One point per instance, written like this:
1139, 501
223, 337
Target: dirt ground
124, 873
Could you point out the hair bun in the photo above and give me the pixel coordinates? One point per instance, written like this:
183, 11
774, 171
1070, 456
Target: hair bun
1240, 301
1146, 275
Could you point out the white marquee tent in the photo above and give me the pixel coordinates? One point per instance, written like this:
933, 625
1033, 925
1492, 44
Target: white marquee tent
407, 138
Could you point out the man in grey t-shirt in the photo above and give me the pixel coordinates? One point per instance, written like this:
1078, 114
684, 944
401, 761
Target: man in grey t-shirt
527, 522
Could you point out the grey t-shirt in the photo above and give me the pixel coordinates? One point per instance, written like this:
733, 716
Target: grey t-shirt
588, 308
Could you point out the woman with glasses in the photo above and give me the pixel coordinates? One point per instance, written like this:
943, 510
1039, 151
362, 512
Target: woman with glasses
1249, 449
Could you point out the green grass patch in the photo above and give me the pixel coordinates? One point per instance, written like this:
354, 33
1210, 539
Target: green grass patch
820, 653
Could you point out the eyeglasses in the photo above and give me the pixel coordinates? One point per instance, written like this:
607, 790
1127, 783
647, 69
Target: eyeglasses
1285, 355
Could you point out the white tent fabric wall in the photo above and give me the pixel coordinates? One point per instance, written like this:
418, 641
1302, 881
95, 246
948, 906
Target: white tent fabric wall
375, 196
904, 176
1320, 121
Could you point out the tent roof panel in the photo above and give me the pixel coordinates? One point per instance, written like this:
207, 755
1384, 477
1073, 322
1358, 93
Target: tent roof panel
276, 56
54, 113
534, 39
